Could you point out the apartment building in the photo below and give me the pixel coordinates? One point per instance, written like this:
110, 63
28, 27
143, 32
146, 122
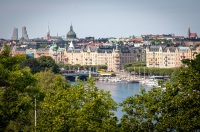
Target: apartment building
113, 57
164, 56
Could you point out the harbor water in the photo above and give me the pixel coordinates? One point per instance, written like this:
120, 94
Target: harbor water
120, 91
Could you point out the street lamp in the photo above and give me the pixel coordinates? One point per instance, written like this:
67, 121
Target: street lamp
35, 116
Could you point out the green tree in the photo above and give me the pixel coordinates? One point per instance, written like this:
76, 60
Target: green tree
47, 63
15, 84
33, 64
82, 107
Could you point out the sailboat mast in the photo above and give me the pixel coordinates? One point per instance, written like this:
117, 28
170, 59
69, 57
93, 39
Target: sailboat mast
134, 73
139, 72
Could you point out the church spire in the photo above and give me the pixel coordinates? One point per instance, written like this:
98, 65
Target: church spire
48, 28
189, 32
71, 27
48, 33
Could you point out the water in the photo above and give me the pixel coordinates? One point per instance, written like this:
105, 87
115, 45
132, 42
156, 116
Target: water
120, 91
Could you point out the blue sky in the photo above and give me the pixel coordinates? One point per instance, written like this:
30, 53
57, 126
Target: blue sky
99, 18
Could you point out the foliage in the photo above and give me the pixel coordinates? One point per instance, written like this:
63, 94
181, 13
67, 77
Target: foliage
47, 80
33, 64
140, 111
83, 67
42, 63
47, 63
152, 71
81, 107
15, 84
175, 108
135, 64
140, 68
175, 72
60, 106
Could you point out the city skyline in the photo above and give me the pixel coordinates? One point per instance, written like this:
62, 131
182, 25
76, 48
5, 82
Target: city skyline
99, 19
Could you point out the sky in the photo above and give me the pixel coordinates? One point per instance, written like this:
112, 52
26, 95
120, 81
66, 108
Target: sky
99, 18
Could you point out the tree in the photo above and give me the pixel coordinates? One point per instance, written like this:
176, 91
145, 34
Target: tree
81, 107
175, 108
15, 84
47, 63
33, 64
42, 63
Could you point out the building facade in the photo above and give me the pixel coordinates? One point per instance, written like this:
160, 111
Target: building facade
15, 34
163, 56
113, 57
24, 33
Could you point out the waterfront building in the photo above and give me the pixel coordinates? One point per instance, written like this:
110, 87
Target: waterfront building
15, 34
154, 57
93, 55
183, 52
165, 56
113, 56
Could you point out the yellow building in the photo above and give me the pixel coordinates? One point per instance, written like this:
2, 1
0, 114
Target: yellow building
92, 55
163, 56
111, 56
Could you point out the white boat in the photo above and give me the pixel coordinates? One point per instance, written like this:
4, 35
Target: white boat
152, 81
114, 79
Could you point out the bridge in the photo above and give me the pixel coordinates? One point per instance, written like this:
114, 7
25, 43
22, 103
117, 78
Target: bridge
79, 75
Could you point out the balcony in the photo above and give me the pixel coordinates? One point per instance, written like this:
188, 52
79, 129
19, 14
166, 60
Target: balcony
182, 57
117, 63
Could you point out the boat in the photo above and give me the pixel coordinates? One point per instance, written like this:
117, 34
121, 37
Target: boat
132, 81
149, 83
152, 81
115, 79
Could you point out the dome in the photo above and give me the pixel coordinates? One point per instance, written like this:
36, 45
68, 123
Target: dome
71, 33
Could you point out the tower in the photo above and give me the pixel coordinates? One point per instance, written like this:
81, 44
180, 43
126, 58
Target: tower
189, 32
15, 34
24, 33
48, 34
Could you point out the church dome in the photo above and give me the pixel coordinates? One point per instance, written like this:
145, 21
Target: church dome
71, 33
